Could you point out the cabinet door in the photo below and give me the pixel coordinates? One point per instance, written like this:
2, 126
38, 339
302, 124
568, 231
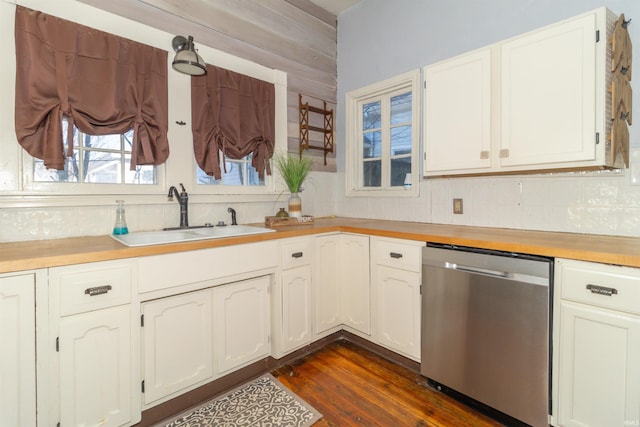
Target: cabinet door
177, 343
18, 358
355, 302
242, 322
96, 368
549, 95
599, 374
397, 310
327, 283
457, 114
296, 308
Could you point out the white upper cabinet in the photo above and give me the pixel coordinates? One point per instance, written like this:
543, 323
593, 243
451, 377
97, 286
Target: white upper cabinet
548, 95
539, 101
457, 114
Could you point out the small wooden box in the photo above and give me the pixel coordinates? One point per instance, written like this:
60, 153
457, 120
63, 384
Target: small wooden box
274, 221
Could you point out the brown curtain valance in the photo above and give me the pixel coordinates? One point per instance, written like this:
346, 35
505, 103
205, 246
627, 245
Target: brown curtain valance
102, 83
234, 114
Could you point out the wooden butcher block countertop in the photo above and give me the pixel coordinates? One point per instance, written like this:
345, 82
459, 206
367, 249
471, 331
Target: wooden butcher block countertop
21, 256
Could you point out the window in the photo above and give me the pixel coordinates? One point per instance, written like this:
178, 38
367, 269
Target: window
382, 137
238, 173
103, 159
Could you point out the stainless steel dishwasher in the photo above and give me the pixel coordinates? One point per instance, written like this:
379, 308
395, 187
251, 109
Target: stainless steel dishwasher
485, 329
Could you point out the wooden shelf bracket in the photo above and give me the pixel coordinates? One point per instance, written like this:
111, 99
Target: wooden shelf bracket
306, 127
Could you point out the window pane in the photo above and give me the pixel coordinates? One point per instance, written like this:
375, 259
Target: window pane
234, 174
371, 173
399, 169
104, 142
371, 116
128, 140
71, 173
65, 125
102, 168
401, 109
142, 174
372, 145
400, 140
203, 178
97, 159
252, 176
239, 173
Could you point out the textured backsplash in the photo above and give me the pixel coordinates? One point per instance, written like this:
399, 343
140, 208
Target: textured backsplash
602, 203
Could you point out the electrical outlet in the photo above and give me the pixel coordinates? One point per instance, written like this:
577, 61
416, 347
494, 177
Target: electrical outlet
457, 206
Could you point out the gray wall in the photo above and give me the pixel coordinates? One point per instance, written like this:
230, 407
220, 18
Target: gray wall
378, 39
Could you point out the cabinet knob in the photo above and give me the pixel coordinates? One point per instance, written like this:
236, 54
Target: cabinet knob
395, 255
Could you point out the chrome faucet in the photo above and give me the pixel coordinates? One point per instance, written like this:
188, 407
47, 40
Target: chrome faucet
233, 216
183, 200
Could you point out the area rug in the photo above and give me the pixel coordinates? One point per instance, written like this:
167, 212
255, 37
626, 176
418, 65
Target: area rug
262, 402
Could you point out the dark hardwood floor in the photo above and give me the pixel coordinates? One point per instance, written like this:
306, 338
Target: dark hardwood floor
351, 386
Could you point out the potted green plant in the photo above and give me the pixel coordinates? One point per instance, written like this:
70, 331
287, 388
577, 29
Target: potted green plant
294, 170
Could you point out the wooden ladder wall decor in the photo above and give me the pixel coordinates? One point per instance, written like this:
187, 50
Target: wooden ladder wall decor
305, 127
620, 90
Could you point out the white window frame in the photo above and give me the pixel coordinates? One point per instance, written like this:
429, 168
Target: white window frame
354, 100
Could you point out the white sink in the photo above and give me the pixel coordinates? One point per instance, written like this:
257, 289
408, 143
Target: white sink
145, 238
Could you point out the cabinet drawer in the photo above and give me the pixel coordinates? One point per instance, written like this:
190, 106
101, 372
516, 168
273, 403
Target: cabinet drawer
88, 287
613, 287
397, 254
295, 253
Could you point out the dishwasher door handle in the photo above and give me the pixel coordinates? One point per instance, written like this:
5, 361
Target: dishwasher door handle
476, 270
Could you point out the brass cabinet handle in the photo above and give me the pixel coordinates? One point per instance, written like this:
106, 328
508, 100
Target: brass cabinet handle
98, 290
602, 290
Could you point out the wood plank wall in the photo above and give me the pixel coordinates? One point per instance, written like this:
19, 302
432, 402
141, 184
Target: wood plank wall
294, 36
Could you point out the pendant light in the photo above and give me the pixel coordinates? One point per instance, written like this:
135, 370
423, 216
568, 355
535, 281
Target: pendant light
187, 60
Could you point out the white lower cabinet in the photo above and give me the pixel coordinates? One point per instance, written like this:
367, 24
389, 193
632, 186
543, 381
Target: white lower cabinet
242, 316
18, 357
323, 286
341, 284
296, 308
95, 376
397, 310
396, 304
327, 284
355, 284
597, 378
96, 369
177, 339
193, 338
292, 297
